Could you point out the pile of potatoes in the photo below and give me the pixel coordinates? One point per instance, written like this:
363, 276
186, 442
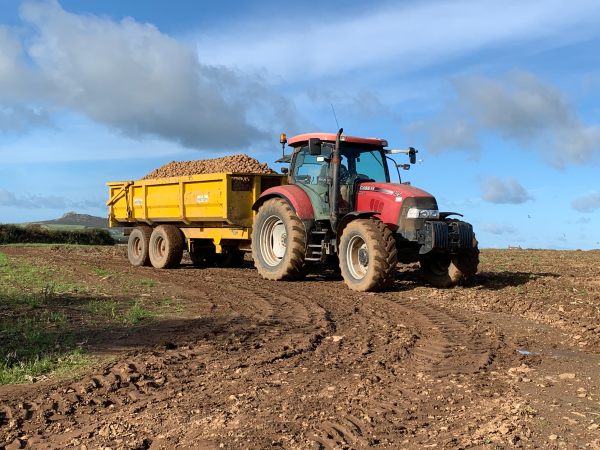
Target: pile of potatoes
233, 163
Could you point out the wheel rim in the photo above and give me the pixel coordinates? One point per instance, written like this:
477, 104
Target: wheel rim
137, 247
273, 240
357, 257
160, 246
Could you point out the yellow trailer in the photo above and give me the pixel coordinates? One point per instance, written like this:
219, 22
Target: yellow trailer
211, 213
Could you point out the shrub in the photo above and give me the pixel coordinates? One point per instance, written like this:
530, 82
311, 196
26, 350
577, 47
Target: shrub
35, 234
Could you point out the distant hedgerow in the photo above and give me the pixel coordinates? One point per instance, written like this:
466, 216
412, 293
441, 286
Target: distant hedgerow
36, 234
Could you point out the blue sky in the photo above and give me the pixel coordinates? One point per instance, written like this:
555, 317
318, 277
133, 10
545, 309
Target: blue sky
500, 98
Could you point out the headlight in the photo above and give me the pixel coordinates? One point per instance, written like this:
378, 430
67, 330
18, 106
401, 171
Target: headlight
416, 213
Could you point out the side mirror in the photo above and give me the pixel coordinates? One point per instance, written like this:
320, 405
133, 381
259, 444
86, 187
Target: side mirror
314, 146
285, 170
412, 155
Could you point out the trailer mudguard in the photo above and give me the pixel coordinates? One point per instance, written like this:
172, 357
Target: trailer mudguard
294, 195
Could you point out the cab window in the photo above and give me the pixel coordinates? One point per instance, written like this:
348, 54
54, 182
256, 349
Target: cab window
310, 169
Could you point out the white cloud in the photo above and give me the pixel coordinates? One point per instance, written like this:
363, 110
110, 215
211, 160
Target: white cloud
587, 203
399, 36
31, 201
133, 78
518, 107
496, 190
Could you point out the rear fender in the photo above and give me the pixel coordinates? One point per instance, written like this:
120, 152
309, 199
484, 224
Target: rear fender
296, 198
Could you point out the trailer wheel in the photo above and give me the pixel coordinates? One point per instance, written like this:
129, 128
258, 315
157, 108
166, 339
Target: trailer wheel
368, 255
138, 245
445, 270
278, 242
166, 246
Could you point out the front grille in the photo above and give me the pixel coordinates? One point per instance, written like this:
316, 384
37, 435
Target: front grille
453, 235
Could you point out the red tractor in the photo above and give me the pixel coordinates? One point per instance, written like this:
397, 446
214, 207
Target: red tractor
340, 205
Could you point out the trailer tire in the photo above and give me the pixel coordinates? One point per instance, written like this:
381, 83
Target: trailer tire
445, 271
166, 246
278, 242
138, 245
368, 255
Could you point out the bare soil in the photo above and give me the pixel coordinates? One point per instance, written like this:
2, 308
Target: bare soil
234, 163
510, 361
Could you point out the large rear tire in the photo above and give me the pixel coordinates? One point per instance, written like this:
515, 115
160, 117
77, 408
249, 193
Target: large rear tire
138, 246
166, 246
368, 255
445, 270
278, 242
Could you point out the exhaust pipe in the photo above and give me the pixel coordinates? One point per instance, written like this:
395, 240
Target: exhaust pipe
334, 198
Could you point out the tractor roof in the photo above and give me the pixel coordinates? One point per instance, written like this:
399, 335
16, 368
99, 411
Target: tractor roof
300, 139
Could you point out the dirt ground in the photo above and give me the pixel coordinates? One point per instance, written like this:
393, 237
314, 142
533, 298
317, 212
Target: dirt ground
510, 361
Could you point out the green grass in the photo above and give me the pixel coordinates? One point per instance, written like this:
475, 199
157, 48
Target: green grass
102, 272
109, 309
59, 364
43, 316
26, 283
137, 314
131, 283
106, 308
35, 337
36, 345
145, 282
171, 304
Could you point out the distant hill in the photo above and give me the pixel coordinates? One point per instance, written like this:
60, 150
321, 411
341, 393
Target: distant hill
78, 220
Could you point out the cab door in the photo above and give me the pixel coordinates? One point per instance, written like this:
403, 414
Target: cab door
311, 175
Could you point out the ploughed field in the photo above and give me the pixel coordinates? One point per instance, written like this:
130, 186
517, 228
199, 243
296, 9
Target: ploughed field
220, 358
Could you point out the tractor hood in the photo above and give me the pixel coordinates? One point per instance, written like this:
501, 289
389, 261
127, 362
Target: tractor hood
392, 202
396, 189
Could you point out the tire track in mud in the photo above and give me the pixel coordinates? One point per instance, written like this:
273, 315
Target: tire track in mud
448, 345
442, 345
324, 365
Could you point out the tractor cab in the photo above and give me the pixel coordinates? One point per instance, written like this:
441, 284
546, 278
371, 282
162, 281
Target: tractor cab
361, 159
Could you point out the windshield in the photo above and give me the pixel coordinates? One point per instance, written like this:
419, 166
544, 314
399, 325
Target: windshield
366, 163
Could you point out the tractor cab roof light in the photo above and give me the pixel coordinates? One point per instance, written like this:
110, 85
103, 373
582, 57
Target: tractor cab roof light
283, 141
397, 152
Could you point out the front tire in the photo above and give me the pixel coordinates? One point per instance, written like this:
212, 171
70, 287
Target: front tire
278, 241
166, 246
445, 270
138, 246
368, 255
